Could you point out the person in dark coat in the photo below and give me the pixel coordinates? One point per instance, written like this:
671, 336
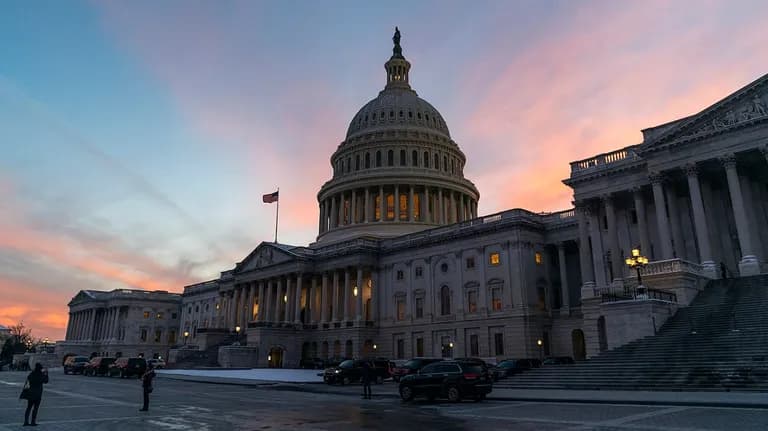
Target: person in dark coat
36, 381
365, 378
146, 384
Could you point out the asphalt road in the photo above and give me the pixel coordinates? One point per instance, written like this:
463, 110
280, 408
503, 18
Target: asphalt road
97, 403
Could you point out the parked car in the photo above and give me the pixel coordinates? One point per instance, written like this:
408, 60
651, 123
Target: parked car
412, 367
75, 364
351, 371
312, 364
157, 364
510, 367
128, 367
453, 380
99, 366
559, 360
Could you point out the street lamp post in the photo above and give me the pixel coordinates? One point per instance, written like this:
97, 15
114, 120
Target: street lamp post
237, 334
186, 335
541, 349
637, 261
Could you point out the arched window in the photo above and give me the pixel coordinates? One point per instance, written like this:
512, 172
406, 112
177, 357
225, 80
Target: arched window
426, 159
415, 158
437, 162
367, 160
390, 158
402, 157
357, 162
349, 164
453, 166
445, 301
378, 159
445, 163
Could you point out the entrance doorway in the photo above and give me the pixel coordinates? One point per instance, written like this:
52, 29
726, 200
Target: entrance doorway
602, 337
275, 357
579, 346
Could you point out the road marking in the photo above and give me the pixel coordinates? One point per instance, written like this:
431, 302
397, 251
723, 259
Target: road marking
75, 421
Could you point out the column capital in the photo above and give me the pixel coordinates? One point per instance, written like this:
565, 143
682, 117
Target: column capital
691, 169
582, 206
636, 190
656, 177
607, 198
764, 150
728, 161
560, 245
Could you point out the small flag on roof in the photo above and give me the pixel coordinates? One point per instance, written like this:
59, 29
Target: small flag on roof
270, 197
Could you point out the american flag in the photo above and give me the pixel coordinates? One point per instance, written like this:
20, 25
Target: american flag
270, 197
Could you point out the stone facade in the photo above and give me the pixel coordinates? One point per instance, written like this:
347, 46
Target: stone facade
122, 322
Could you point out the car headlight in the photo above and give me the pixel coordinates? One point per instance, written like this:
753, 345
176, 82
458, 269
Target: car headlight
337, 371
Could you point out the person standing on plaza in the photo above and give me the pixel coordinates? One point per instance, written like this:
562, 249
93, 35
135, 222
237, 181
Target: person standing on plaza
365, 378
33, 392
146, 384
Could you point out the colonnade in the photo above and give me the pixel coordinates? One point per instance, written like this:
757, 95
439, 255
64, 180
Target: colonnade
93, 324
669, 240
415, 203
297, 298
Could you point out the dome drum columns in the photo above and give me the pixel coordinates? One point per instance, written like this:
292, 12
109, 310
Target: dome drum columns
415, 204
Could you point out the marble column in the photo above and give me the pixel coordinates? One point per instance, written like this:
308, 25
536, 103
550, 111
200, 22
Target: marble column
353, 208
260, 314
585, 255
334, 213
397, 203
279, 299
347, 294
678, 243
92, 325
320, 220
336, 298
665, 240
382, 205
368, 216
462, 213
251, 301
749, 264
598, 259
442, 205
411, 201
566, 296
374, 291
613, 240
452, 218
237, 306
269, 288
116, 324
642, 223
359, 307
312, 301
287, 300
426, 215
297, 300
324, 299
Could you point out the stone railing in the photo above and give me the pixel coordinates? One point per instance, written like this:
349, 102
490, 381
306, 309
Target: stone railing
671, 266
605, 159
559, 217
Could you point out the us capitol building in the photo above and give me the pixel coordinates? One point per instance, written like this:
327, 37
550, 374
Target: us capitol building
403, 265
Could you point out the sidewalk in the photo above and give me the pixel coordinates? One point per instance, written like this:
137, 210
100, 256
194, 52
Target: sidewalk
389, 390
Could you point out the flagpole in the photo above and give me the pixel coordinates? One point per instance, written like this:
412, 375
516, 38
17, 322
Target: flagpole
277, 213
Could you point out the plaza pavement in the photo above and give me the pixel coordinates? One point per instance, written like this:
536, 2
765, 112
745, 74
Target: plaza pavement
99, 403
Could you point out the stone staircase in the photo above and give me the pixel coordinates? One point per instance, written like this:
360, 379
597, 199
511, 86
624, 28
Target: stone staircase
719, 342
208, 358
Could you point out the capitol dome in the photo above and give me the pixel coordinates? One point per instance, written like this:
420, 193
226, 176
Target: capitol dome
398, 170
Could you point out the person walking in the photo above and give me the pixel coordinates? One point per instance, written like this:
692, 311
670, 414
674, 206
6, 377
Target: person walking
146, 384
34, 393
365, 378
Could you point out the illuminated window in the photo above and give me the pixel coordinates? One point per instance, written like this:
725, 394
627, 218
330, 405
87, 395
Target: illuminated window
403, 207
538, 259
495, 259
472, 301
159, 315
390, 207
377, 208
400, 309
496, 298
417, 207
217, 306
146, 314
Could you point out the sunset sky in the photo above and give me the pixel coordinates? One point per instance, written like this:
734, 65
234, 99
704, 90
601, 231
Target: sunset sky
137, 137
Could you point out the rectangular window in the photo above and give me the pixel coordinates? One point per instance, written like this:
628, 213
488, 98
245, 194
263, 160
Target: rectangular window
143, 335
401, 349
158, 335
498, 342
172, 336
390, 207
495, 259
474, 347
401, 309
400, 274
174, 316
419, 308
403, 207
419, 347
419, 272
146, 314
377, 208
472, 301
537, 258
417, 207
496, 299
470, 262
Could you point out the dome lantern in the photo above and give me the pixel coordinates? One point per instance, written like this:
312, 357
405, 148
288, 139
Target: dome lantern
397, 67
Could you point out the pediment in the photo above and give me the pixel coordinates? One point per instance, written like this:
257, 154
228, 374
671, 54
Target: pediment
263, 256
744, 107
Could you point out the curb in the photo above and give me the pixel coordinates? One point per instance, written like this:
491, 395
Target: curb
322, 388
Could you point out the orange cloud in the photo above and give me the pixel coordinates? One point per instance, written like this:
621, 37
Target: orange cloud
40, 308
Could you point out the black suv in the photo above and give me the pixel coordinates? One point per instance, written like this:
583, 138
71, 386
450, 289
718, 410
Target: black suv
448, 379
99, 366
351, 370
75, 364
128, 367
510, 367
